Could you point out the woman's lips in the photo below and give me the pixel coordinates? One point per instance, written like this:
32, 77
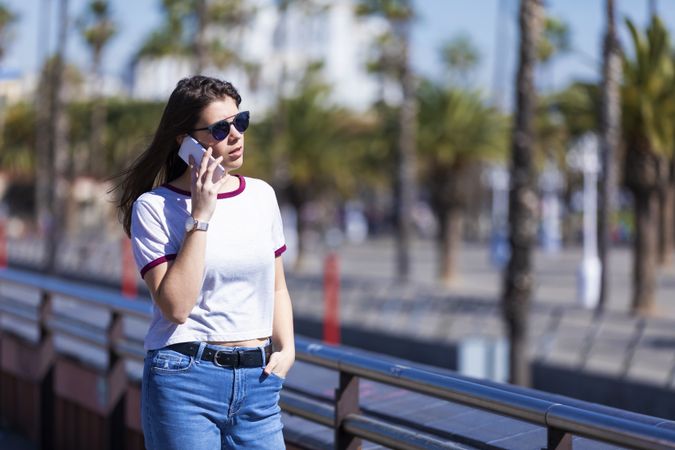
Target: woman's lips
236, 153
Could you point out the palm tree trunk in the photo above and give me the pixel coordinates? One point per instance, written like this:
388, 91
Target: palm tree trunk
281, 175
609, 142
97, 161
653, 9
298, 200
645, 249
406, 159
200, 44
523, 201
41, 138
667, 217
57, 151
671, 227
301, 226
666, 205
450, 231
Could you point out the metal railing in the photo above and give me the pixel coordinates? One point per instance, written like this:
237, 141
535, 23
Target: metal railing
562, 420
88, 364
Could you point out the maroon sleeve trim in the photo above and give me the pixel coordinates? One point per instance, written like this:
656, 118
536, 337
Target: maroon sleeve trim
157, 262
279, 251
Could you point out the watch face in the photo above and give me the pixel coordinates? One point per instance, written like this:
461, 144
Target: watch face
190, 224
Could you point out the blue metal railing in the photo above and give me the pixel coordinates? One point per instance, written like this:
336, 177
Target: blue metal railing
561, 417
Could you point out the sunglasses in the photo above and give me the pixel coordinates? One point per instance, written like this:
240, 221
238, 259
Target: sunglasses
221, 129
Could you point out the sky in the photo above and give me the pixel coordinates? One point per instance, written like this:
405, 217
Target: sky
437, 22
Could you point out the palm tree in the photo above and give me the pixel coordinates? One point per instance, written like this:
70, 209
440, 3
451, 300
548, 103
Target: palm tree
220, 50
523, 202
97, 29
461, 57
17, 156
456, 131
201, 55
41, 102
56, 144
319, 143
554, 41
400, 14
648, 136
280, 174
169, 38
205, 32
653, 8
609, 143
7, 19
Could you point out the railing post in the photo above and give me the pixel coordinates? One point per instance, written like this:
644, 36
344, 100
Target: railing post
4, 252
26, 401
90, 401
346, 402
331, 288
558, 439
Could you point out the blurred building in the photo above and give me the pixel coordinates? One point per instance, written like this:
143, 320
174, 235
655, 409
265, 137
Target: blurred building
16, 86
277, 50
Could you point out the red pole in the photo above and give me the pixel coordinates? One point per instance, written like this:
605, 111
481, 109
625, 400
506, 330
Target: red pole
331, 290
3, 244
129, 287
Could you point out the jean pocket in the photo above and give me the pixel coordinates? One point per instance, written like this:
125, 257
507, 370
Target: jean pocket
278, 377
169, 361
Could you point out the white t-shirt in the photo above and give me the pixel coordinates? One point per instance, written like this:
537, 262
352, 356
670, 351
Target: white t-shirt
236, 300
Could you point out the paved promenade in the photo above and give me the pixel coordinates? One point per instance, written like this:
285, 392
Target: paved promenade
555, 273
373, 260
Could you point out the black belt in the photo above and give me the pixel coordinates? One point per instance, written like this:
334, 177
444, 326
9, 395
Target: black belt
224, 358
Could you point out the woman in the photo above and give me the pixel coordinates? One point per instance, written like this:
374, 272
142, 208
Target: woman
221, 338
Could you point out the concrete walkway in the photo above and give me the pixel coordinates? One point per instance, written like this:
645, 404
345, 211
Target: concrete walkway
555, 273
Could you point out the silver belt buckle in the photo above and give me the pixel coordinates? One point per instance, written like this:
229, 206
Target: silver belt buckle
236, 361
215, 358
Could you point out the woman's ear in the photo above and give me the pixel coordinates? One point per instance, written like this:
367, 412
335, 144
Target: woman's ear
180, 138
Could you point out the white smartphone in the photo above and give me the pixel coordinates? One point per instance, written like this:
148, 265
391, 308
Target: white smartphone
190, 146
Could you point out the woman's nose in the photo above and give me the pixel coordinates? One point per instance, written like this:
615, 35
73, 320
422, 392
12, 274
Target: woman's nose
234, 133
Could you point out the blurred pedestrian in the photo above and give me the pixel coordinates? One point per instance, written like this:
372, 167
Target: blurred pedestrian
221, 337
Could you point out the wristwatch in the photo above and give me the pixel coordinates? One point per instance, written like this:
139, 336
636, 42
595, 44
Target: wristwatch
193, 224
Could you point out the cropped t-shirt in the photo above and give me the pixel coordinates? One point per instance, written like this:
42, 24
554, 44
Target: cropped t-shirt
236, 299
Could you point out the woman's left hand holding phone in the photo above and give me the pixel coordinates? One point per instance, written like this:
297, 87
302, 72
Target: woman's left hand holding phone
203, 188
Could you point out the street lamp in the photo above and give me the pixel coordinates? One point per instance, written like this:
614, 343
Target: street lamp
550, 183
497, 177
584, 157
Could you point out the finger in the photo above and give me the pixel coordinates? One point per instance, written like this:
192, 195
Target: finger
205, 160
271, 364
213, 164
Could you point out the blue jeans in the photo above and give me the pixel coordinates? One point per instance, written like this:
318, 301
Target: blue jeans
192, 404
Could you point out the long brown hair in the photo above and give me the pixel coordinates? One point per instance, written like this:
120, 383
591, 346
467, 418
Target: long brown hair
160, 163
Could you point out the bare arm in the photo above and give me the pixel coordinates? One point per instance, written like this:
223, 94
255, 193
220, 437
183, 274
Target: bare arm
282, 329
175, 286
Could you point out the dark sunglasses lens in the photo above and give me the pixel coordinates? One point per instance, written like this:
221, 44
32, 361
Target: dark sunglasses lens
220, 131
240, 122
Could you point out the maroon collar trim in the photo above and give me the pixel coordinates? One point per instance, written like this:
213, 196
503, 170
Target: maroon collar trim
239, 190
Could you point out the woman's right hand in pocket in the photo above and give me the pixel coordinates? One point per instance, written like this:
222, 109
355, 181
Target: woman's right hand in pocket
203, 189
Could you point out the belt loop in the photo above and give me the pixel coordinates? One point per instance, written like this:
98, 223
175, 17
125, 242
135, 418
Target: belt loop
262, 353
200, 350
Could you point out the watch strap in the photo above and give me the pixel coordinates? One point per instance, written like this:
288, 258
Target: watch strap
192, 224
201, 225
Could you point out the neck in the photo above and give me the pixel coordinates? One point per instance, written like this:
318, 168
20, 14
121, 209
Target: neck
183, 182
